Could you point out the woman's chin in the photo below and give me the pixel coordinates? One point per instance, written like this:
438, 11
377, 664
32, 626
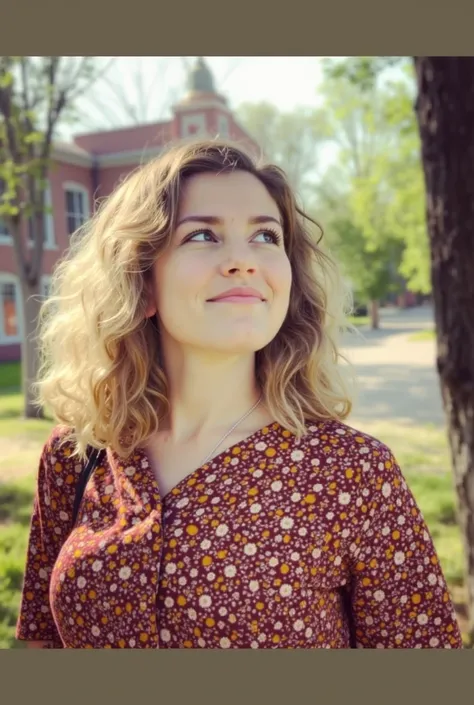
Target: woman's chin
238, 344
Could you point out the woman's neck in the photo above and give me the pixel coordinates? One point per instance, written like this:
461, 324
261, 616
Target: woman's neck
207, 393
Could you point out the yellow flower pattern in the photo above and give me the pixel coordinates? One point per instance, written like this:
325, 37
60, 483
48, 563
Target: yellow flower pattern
254, 550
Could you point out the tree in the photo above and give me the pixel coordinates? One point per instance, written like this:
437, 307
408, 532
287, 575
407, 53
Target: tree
370, 269
133, 91
356, 193
290, 139
445, 112
35, 94
370, 266
375, 130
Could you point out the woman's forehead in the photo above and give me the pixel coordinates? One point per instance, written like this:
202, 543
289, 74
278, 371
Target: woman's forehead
222, 195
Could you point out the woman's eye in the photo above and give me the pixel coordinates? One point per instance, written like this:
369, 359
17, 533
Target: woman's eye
269, 237
201, 236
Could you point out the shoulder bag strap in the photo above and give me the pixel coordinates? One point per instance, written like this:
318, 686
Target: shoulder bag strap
93, 458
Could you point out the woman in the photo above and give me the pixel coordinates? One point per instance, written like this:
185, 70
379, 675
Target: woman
193, 336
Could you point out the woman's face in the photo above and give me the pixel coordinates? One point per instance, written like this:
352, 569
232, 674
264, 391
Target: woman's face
229, 236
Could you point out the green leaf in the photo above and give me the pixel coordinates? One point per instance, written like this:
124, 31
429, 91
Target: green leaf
34, 138
6, 79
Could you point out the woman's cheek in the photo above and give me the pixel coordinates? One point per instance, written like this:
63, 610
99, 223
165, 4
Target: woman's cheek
280, 275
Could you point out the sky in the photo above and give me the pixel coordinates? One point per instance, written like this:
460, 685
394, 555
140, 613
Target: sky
153, 84
286, 81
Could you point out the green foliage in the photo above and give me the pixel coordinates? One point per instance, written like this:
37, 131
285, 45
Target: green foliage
35, 94
373, 196
362, 71
370, 267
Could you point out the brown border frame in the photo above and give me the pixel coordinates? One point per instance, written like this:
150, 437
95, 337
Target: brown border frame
243, 677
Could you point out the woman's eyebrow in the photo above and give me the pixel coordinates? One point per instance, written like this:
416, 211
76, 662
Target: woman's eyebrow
214, 220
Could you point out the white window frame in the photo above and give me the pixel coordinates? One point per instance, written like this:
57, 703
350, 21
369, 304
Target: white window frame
79, 188
49, 241
5, 237
7, 278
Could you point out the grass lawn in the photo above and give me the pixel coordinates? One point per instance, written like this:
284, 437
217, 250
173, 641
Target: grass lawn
10, 376
421, 451
359, 321
422, 335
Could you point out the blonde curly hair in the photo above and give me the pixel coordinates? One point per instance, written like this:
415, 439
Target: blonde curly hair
100, 372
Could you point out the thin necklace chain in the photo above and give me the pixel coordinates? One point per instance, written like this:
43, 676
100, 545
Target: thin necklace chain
242, 418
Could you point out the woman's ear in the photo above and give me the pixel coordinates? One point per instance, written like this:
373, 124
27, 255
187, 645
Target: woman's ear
150, 310
151, 305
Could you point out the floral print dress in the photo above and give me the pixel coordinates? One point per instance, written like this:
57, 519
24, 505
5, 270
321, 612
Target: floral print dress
275, 543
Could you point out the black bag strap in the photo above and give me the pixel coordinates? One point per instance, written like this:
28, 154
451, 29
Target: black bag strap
93, 458
347, 603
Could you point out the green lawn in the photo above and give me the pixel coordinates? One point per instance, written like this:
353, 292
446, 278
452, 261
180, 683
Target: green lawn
423, 335
421, 451
11, 409
359, 321
10, 376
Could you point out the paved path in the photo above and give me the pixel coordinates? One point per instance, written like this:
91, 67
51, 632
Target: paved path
397, 377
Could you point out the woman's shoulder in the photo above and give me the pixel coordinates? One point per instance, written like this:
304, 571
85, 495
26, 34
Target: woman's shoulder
58, 466
351, 471
58, 446
347, 440
338, 447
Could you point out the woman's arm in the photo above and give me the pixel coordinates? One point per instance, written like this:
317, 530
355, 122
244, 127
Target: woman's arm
400, 598
36, 625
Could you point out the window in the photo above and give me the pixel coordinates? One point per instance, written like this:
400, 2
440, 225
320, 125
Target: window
10, 328
77, 206
194, 124
223, 126
5, 236
3, 229
48, 222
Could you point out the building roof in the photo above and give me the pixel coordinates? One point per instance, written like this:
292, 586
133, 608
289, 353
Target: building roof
200, 77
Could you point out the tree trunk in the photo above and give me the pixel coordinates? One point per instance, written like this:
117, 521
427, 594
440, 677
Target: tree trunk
29, 266
29, 349
374, 315
445, 111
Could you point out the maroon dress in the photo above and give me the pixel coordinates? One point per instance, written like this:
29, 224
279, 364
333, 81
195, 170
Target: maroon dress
256, 549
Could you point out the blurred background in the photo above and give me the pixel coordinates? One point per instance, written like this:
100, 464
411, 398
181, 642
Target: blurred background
344, 129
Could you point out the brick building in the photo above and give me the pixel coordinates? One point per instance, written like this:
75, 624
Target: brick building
89, 167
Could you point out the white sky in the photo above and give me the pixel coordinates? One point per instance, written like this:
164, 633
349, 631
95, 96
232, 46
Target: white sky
285, 81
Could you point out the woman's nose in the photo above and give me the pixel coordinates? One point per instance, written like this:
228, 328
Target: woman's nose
239, 259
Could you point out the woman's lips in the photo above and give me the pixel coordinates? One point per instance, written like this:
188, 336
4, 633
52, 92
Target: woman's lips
239, 295
234, 299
